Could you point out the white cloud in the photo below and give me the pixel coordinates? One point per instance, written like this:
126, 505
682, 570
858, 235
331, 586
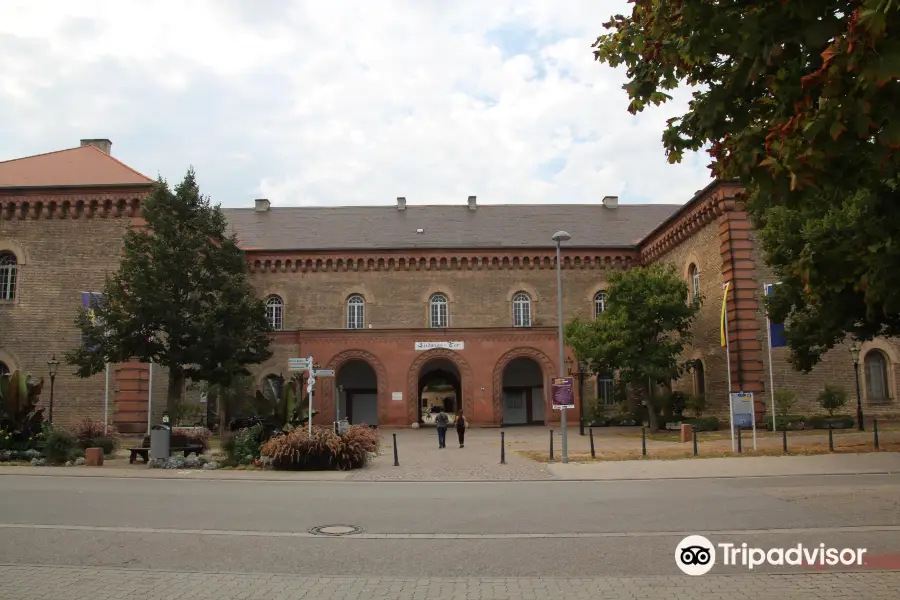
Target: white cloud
343, 102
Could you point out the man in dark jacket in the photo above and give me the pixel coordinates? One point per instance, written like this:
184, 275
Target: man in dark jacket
442, 420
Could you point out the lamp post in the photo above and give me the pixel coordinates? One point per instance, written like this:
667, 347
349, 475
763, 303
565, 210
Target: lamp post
854, 353
559, 237
52, 366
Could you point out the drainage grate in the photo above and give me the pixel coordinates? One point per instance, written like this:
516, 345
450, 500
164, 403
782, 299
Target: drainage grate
336, 530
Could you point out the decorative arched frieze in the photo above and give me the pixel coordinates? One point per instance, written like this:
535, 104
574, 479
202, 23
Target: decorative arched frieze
465, 374
522, 352
71, 206
339, 360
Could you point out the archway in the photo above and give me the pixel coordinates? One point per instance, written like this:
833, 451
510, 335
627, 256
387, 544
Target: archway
440, 388
357, 393
523, 399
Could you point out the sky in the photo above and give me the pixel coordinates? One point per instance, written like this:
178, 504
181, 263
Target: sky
341, 102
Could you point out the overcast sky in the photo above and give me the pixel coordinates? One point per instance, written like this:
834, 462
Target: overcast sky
340, 101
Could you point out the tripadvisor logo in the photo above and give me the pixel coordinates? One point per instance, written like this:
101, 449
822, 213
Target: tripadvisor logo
696, 555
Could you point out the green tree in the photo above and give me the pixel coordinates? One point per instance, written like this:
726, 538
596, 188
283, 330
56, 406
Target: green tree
181, 297
643, 330
800, 101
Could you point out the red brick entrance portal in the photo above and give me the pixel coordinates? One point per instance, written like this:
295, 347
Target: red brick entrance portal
398, 359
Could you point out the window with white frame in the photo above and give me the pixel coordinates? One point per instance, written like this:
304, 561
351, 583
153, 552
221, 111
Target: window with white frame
599, 303
439, 311
522, 310
694, 273
275, 312
606, 389
876, 370
356, 312
8, 268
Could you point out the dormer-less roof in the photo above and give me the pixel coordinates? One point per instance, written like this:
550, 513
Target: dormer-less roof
85, 166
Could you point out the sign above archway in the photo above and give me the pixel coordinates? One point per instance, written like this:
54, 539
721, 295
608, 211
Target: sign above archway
421, 346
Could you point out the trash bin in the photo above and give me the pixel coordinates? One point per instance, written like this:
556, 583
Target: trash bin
160, 441
342, 426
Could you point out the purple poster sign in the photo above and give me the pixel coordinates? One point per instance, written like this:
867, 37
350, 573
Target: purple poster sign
563, 393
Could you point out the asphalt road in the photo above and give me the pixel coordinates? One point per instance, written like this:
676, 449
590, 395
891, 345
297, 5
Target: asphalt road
434, 529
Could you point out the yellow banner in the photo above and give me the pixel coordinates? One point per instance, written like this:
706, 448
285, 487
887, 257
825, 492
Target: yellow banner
724, 341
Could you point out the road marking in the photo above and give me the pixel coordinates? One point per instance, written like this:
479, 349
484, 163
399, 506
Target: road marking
456, 536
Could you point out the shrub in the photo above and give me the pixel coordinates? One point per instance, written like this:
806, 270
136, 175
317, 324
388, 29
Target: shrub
704, 423
87, 431
297, 450
194, 435
107, 443
59, 446
784, 402
244, 443
696, 403
832, 398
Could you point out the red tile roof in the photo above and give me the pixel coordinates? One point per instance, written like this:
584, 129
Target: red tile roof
85, 166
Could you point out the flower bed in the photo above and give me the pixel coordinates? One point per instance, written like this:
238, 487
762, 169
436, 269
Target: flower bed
324, 450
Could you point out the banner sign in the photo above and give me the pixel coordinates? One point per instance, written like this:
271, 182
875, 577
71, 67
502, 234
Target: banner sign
563, 393
742, 409
776, 330
420, 346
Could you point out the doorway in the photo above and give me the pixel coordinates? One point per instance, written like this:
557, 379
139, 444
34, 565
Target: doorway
440, 388
357, 393
522, 400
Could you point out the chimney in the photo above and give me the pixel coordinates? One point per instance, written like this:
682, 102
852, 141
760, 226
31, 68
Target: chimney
472, 204
261, 205
611, 201
101, 144
401, 203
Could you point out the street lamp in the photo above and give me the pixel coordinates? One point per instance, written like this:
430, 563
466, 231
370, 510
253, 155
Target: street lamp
559, 237
854, 353
52, 366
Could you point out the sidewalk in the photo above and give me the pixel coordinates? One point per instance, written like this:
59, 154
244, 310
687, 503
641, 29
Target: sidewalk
710, 468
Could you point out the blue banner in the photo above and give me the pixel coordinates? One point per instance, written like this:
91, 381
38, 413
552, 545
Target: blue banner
776, 330
89, 302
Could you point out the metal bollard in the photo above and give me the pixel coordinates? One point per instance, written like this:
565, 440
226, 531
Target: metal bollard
875, 429
551, 444
830, 438
694, 437
643, 441
502, 447
784, 439
594, 453
396, 458
740, 448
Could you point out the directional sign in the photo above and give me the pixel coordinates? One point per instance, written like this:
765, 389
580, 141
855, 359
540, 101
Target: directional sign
323, 373
298, 364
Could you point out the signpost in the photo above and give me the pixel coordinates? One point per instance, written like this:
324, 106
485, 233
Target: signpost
743, 413
299, 364
323, 372
563, 393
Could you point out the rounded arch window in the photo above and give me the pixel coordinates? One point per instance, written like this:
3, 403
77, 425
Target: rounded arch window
439, 311
9, 265
876, 370
694, 276
522, 310
599, 303
275, 312
356, 312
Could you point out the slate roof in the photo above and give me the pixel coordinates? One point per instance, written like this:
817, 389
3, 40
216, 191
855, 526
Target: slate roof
85, 166
488, 226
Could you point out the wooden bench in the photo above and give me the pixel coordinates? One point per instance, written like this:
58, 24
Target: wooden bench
145, 452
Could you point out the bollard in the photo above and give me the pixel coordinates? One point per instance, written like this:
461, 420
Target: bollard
502, 447
784, 439
875, 429
594, 454
551, 444
643, 441
830, 438
740, 449
396, 459
694, 436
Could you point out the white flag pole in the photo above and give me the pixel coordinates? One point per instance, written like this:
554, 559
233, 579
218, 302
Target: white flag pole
728, 367
771, 367
106, 403
150, 398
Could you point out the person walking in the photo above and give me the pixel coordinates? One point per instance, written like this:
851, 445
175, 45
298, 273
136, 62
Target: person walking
461, 425
442, 420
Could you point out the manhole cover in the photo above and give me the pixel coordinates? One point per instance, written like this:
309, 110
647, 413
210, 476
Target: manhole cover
335, 530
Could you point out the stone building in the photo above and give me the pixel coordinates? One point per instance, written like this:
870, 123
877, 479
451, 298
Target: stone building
412, 306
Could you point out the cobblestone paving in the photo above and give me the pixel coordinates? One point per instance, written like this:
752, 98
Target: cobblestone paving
66, 583
421, 460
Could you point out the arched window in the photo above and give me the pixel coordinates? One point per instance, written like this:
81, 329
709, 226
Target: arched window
606, 389
699, 377
522, 310
8, 266
275, 312
599, 303
440, 314
694, 274
356, 312
876, 368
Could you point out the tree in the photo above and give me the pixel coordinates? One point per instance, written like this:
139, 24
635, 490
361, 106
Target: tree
643, 330
800, 102
181, 297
